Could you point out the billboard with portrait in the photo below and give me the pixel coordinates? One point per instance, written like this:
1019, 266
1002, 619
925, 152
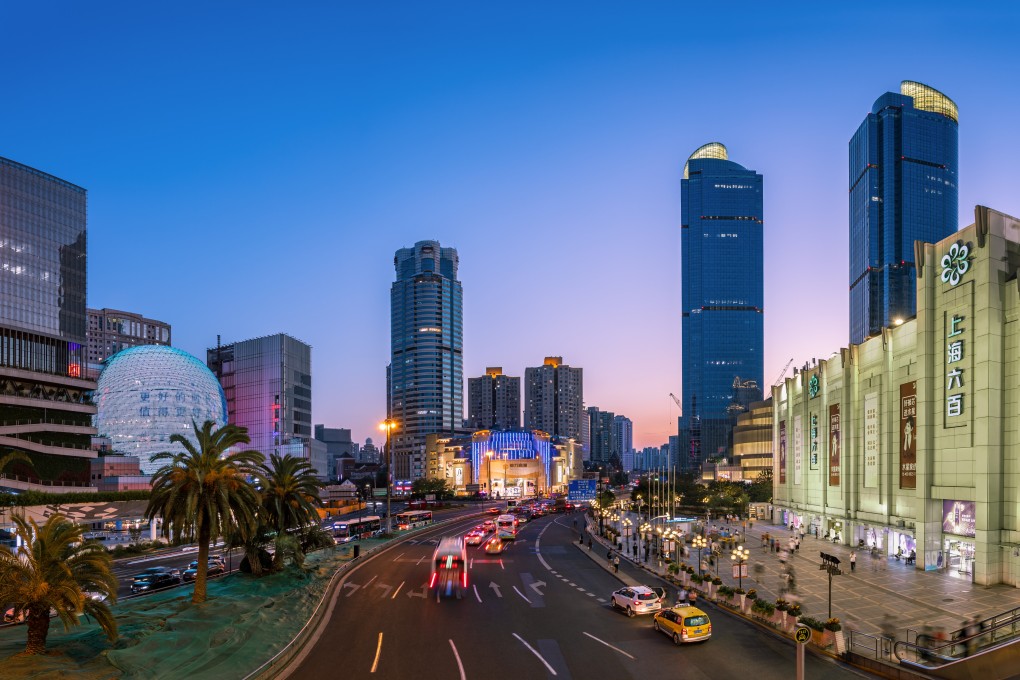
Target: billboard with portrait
959, 518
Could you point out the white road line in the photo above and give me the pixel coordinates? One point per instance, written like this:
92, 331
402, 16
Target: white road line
369, 581
610, 646
590, 594
501, 564
572, 583
535, 652
459, 664
522, 595
580, 588
603, 600
544, 563
398, 556
397, 590
476, 593
421, 560
378, 651
471, 563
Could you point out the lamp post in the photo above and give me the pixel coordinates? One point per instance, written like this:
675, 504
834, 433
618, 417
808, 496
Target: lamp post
739, 557
699, 543
387, 426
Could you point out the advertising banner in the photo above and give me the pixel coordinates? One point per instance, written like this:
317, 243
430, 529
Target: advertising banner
813, 436
871, 440
908, 435
834, 445
958, 517
782, 452
798, 448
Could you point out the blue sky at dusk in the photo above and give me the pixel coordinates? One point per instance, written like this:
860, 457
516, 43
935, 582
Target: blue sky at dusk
252, 167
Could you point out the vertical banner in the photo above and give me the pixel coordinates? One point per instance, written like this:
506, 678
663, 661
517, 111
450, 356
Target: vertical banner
908, 435
782, 452
871, 440
834, 445
798, 448
813, 436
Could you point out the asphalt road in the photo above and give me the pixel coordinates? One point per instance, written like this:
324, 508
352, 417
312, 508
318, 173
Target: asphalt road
539, 610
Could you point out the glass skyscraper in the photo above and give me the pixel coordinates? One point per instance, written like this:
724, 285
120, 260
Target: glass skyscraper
903, 188
722, 299
426, 372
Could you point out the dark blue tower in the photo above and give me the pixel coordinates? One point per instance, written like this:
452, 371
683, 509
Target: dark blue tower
722, 298
903, 188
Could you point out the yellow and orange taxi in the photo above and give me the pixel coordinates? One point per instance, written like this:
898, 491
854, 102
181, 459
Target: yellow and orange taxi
684, 624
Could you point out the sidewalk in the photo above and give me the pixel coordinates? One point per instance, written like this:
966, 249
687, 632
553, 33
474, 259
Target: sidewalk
860, 599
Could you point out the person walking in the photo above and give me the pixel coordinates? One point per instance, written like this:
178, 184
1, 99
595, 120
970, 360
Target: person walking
853, 561
616, 564
681, 597
692, 598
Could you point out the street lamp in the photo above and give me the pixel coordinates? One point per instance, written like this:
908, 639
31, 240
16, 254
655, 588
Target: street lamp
739, 556
388, 425
699, 544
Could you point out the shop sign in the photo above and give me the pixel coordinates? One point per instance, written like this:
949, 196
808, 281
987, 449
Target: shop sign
959, 518
813, 456
908, 435
834, 445
955, 263
813, 386
954, 370
871, 440
782, 452
798, 448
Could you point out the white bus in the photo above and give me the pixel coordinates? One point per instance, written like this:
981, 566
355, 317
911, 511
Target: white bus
449, 568
348, 530
413, 519
506, 527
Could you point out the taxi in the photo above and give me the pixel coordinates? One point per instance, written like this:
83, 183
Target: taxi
684, 624
495, 546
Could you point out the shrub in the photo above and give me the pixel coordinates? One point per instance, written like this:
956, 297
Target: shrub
794, 610
782, 605
833, 624
697, 579
739, 591
763, 607
813, 624
752, 594
725, 590
717, 581
673, 569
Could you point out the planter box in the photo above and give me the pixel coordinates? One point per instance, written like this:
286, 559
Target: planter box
819, 639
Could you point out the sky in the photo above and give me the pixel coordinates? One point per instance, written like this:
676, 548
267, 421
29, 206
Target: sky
252, 167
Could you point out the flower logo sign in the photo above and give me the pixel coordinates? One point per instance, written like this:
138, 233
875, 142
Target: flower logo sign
813, 386
955, 263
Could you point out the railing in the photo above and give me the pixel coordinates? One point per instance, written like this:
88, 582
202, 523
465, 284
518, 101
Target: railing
40, 482
873, 646
45, 421
61, 445
929, 652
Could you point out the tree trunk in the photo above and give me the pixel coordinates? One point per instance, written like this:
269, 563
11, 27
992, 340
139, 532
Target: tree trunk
38, 628
198, 596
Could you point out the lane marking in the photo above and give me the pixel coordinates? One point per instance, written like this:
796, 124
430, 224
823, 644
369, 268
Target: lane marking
459, 664
571, 583
610, 646
501, 563
522, 595
471, 563
399, 555
423, 557
398, 590
369, 581
590, 594
475, 586
580, 588
544, 563
535, 652
603, 600
378, 651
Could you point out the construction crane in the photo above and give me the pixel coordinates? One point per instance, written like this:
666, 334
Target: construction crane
785, 369
678, 404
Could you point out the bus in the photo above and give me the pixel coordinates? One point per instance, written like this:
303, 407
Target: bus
365, 527
506, 527
414, 519
449, 568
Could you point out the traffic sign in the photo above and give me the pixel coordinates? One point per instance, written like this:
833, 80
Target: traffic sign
582, 489
803, 635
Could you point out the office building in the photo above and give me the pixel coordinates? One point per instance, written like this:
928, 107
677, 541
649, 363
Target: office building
903, 188
338, 445
110, 330
623, 439
752, 441
554, 399
426, 372
268, 386
494, 401
722, 297
603, 444
44, 394
370, 454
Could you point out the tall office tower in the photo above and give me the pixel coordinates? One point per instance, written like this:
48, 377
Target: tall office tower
600, 428
426, 372
721, 273
110, 330
338, 444
494, 401
623, 437
554, 399
268, 385
44, 393
903, 188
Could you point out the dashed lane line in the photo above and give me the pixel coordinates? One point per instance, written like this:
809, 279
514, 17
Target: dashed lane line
534, 651
460, 666
378, 651
398, 590
522, 595
610, 646
476, 593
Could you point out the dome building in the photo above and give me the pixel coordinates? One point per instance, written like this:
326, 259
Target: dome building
148, 393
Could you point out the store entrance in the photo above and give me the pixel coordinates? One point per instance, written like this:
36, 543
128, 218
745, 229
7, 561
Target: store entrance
959, 557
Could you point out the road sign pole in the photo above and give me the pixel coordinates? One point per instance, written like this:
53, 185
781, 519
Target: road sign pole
800, 661
801, 635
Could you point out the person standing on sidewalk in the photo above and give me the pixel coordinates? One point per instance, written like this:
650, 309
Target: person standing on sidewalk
616, 564
692, 598
853, 561
681, 597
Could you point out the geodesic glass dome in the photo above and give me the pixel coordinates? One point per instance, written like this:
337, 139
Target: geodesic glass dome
148, 393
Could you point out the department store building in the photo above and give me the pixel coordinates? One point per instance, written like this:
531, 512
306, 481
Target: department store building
910, 441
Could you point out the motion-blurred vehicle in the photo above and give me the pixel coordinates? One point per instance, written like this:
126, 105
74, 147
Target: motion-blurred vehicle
684, 624
474, 538
449, 568
155, 582
636, 600
216, 567
495, 546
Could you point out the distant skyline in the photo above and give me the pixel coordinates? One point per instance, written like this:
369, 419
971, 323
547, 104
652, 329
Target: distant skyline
253, 168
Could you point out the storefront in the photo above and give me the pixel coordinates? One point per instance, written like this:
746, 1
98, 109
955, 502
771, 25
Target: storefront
959, 527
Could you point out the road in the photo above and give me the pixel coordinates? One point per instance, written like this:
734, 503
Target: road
539, 610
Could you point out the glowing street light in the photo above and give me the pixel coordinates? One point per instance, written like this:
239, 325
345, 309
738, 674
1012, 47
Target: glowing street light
739, 557
388, 426
699, 543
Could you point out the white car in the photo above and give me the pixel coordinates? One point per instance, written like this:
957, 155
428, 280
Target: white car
474, 538
636, 600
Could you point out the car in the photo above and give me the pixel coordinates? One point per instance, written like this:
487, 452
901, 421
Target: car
683, 624
151, 571
154, 582
489, 525
493, 511
495, 546
636, 600
474, 538
522, 518
216, 567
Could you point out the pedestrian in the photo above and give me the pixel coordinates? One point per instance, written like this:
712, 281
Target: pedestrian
609, 555
853, 561
971, 630
888, 627
681, 597
692, 598
616, 564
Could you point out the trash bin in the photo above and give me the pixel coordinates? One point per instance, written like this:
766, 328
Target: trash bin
357, 550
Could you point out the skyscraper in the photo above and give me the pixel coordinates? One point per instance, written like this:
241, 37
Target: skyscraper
494, 401
426, 372
110, 331
623, 439
43, 386
722, 299
603, 444
554, 398
903, 188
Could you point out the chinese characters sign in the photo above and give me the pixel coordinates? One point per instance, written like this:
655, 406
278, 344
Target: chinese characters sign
782, 452
908, 435
956, 355
798, 448
834, 445
958, 517
813, 455
871, 440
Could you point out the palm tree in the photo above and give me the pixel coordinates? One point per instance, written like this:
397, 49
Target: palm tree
290, 496
56, 569
204, 493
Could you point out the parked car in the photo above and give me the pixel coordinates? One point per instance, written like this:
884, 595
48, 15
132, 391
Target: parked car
155, 582
636, 600
684, 624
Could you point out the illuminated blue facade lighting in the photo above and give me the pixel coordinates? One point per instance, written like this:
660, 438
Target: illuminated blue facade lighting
511, 445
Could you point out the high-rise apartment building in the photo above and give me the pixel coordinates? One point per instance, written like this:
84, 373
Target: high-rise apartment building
623, 437
268, 385
600, 431
111, 330
494, 401
722, 297
426, 372
903, 188
554, 399
44, 393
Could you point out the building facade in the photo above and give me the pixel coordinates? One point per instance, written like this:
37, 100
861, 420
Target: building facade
45, 408
554, 399
722, 297
338, 444
494, 401
909, 441
903, 188
600, 433
268, 386
426, 372
623, 440
752, 441
110, 330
